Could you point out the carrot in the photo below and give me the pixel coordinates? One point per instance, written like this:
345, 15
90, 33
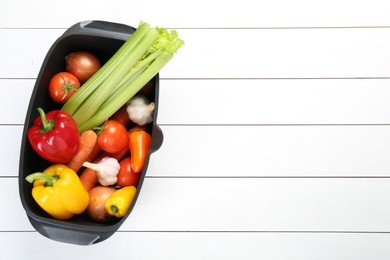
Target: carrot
121, 116
89, 177
88, 139
94, 153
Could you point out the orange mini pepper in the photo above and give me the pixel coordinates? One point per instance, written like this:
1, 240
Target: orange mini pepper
139, 145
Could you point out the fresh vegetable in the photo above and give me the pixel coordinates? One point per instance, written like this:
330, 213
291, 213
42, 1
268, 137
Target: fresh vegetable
82, 64
54, 136
62, 86
87, 143
139, 59
106, 169
119, 201
140, 110
58, 191
121, 116
112, 137
89, 177
96, 150
97, 197
126, 176
139, 145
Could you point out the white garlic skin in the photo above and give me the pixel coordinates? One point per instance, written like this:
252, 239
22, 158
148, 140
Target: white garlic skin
140, 110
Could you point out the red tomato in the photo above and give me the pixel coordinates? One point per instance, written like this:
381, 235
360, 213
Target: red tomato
113, 138
62, 86
126, 176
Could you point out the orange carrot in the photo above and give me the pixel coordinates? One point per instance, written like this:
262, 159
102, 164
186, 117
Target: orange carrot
121, 116
89, 177
94, 153
88, 140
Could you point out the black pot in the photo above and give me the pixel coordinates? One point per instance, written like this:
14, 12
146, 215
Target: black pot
103, 39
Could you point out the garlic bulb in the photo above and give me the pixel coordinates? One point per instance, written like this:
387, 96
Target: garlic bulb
140, 110
106, 169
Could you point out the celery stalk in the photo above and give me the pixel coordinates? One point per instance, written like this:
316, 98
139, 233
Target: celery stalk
109, 85
124, 85
90, 86
133, 73
127, 93
140, 59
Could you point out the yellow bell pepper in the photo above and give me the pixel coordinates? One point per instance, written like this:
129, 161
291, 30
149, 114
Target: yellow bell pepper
119, 201
59, 191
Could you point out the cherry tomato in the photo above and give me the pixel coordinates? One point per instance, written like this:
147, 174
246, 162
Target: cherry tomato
113, 137
126, 176
62, 86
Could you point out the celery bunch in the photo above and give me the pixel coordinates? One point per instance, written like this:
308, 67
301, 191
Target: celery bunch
138, 60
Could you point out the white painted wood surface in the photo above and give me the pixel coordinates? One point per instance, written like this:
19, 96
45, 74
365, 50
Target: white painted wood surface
276, 123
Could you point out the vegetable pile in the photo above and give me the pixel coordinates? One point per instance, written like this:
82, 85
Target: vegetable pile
99, 140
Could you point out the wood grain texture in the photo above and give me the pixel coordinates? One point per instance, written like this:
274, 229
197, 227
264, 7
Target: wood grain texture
202, 13
244, 205
257, 102
253, 151
237, 53
194, 246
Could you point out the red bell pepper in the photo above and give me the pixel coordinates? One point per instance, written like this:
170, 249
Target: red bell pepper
54, 136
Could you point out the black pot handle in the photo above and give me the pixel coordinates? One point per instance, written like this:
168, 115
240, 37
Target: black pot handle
61, 233
157, 139
102, 29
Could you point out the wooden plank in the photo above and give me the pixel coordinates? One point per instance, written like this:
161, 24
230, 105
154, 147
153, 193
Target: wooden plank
21, 60
170, 13
253, 151
251, 101
194, 246
279, 53
15, 218
244, 205
15, 99
270, 101
282, 53
247, 204
10, 139
273, 151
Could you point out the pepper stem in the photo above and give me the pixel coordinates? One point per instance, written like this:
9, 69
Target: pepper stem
47, 125
49, 180
114, 209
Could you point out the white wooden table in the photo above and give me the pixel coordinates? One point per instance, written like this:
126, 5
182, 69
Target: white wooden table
276, 118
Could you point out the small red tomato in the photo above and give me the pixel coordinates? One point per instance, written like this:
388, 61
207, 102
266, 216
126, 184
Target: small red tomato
113, 137
62, 86
126, 176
